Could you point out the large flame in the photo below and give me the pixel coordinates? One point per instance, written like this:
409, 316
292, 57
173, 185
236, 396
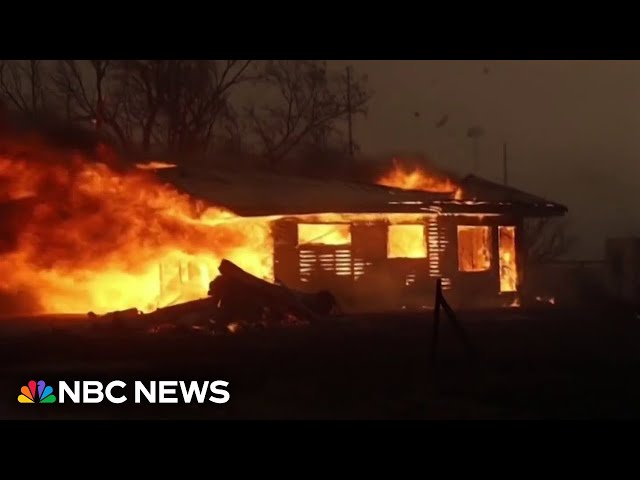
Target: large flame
90, 237
416, 178
507, 250
80, 233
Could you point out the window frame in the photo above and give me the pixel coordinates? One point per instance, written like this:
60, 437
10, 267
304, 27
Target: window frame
424, 238
312, 244
489, 247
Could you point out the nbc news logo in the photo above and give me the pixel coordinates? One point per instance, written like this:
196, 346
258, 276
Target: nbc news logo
38, 392
92, 391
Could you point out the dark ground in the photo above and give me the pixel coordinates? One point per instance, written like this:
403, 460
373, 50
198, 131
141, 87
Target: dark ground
540, 364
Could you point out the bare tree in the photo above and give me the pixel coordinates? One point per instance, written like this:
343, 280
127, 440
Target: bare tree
304, 100
546, 239
185, 107
91, 93
173, 105
195, 100
23, 85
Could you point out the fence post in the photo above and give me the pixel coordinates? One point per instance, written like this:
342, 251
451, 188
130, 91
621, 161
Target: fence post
441, 302
436, 327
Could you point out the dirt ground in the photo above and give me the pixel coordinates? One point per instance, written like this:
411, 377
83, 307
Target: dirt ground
543, 364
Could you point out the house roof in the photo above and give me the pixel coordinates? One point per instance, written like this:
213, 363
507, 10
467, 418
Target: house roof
478, 188
260, 194
481, 192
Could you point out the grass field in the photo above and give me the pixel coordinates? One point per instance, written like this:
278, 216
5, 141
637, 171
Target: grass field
541, 364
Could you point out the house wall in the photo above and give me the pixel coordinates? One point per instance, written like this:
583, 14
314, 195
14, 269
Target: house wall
369, 280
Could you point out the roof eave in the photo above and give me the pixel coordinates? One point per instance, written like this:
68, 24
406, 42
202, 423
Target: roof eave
522, 209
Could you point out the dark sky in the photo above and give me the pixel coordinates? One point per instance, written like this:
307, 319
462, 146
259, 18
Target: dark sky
572, 129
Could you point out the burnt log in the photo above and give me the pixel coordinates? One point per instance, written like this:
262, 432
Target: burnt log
305, 306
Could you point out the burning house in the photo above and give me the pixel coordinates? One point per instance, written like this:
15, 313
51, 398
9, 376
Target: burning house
83, 232
381, 246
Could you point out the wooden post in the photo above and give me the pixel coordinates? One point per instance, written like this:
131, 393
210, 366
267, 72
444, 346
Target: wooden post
462, 334
505, 171
476, 159
441, 302
436, 325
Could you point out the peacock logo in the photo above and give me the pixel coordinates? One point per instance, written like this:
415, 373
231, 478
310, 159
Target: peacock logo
34, 392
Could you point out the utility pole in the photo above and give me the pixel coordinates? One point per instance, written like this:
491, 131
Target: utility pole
505, 171
474, 133
476, 160
349, 111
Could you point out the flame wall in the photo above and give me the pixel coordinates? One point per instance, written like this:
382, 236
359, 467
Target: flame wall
94, 237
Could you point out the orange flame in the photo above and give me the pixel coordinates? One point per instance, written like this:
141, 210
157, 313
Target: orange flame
416, 178
406, 241
93, 238
474, 254
324, 234
507, 250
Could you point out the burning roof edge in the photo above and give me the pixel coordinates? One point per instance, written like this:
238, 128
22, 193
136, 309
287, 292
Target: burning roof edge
483, 190
265, 193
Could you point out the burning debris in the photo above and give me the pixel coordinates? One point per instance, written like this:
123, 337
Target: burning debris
236, 300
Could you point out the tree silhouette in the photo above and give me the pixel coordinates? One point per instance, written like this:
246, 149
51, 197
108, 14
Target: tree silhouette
187, 108
546, 239
303, 101
23, 85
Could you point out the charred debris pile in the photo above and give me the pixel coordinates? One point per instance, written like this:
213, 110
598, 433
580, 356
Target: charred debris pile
236, 300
